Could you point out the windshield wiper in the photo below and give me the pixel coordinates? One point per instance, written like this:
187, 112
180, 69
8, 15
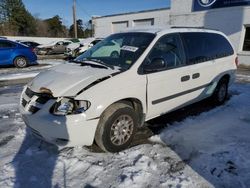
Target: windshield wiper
84, 63
99, 62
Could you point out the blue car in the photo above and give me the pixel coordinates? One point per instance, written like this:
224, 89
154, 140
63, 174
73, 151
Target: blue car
13, 53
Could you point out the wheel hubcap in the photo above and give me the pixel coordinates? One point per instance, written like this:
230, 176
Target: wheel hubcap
21, 62
222, 92
121, 130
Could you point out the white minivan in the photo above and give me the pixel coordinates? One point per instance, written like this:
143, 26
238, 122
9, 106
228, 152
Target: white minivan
106, 98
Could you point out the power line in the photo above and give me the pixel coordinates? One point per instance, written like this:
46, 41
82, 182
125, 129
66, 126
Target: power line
84, 10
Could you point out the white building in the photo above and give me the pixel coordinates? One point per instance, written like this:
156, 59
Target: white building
106, 25
229, 16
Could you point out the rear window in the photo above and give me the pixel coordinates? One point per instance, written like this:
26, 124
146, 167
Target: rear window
201, 47
6, 44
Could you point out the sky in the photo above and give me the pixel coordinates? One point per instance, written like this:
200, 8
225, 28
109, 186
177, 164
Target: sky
87, 8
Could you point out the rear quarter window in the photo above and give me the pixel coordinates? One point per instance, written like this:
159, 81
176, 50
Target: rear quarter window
201, 47
6, 44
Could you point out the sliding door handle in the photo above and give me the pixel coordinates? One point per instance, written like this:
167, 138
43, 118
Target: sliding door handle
185, 78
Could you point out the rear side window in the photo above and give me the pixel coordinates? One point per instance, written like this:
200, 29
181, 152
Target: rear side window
6, 44
201, 47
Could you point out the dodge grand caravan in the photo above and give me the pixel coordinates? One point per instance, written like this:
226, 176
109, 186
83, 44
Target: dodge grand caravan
106, 98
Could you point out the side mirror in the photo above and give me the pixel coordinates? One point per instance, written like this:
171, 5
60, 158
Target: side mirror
157, 64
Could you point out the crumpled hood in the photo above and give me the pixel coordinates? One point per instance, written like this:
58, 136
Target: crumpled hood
68, 79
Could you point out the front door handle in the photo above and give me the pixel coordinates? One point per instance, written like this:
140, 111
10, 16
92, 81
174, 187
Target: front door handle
185, 78
196, 75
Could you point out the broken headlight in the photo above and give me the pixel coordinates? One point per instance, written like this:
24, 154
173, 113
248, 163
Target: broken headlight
68, 106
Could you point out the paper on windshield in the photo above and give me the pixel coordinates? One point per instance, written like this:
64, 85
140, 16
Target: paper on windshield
130, 48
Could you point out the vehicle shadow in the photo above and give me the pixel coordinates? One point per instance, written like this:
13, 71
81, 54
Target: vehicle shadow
34, 163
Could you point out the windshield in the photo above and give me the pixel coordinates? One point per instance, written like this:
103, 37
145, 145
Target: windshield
120, 50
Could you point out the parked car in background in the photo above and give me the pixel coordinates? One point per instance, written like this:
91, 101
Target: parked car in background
105, 98
56, 47
85, 47
14, 53
31, 44
75, 44
111, 49
69, 53
76, 49
74, 40
3, 37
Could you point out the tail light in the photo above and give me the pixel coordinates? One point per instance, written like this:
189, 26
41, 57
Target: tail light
32, 50
237, 61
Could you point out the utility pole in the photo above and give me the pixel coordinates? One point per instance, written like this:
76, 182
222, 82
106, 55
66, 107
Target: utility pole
74, 17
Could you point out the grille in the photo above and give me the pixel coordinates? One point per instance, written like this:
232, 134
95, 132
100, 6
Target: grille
38, 99
29, 93
24, 102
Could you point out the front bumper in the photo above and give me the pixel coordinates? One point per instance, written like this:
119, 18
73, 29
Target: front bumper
63, 131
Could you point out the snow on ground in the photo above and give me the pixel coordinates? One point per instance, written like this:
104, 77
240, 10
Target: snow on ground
208, 150
243, 77
42, 64
52, 62
18, 76
28, 72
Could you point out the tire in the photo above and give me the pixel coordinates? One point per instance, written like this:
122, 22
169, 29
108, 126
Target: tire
221, 92
20, 62
116, 128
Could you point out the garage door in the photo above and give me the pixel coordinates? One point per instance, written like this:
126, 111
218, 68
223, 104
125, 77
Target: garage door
144, 22
119, 26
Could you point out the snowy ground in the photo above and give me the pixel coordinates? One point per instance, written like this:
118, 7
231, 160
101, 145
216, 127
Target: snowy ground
205, 149
13, 73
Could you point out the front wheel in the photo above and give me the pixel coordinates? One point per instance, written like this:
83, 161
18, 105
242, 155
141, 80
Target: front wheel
221, 92
116, 128
20, 62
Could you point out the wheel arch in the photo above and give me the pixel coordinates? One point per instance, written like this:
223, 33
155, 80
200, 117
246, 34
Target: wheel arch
225, 77
217, 81
104, 126
136, 104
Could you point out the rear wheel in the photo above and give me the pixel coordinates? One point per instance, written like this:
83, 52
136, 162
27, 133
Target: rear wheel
221, 92
20, 62
116, 128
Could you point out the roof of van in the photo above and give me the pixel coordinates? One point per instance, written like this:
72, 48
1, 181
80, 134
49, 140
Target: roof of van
170, 28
